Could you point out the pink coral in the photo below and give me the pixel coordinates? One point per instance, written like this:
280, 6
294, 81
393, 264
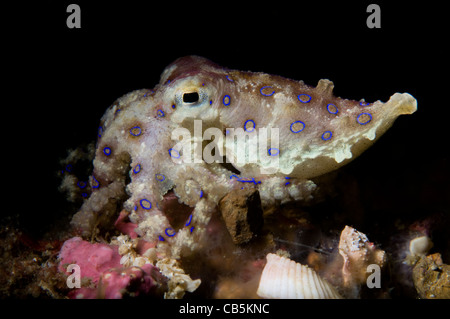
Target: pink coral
126, 282
101, 263
124, 226
93, 259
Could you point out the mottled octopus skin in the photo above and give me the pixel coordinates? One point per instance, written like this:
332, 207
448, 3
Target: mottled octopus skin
318, 133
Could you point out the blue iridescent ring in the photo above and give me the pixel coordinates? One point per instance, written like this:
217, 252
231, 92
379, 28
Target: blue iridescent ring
137, 169
160, 113
298, 131
95, 183
368, 120
363, 103
226, 100
160, 177
324, 135
303, 94
264, 87
81, 184
136, 131
177, 153
331, 110
145, 204
275, 153
245, 125
229, 79
189, 221
172, 234
161, 238
107, 151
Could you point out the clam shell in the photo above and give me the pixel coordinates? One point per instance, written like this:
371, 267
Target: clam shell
283, 278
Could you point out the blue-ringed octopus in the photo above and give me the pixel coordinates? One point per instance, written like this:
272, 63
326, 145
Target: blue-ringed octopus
140, 155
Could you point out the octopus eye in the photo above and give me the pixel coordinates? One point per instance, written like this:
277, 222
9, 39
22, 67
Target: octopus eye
191, 97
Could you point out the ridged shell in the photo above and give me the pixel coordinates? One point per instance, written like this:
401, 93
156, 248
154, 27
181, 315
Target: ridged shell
283, 278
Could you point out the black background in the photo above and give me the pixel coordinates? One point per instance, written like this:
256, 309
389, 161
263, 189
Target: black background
61, 80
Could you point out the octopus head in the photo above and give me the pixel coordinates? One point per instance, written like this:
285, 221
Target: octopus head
190, 85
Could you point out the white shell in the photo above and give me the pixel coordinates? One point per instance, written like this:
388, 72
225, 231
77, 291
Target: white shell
283, 278
420, 246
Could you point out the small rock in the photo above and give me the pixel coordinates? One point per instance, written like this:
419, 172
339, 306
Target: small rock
432, 277
242, 213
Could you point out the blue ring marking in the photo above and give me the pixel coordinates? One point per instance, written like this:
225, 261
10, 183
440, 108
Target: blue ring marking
201, 193
210, 102
100, 131
160, 177
370, 118
170, 153
309, 96
245, 125
249, 181
298, 130
287, 177
173, 106
97, 184
323, 135
229, 100
273, 148
189, 221
287, 183
137, 168
363, 103
242, 180
135, 207
329, 111
192, 228
69, 168
149, 93
107, 151
146, 206
161, 238
267, 86
81, 184
84, 195
170, 235
139, 131
160, 113
229, 79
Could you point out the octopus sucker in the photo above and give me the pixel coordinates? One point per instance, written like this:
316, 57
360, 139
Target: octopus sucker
186, 135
